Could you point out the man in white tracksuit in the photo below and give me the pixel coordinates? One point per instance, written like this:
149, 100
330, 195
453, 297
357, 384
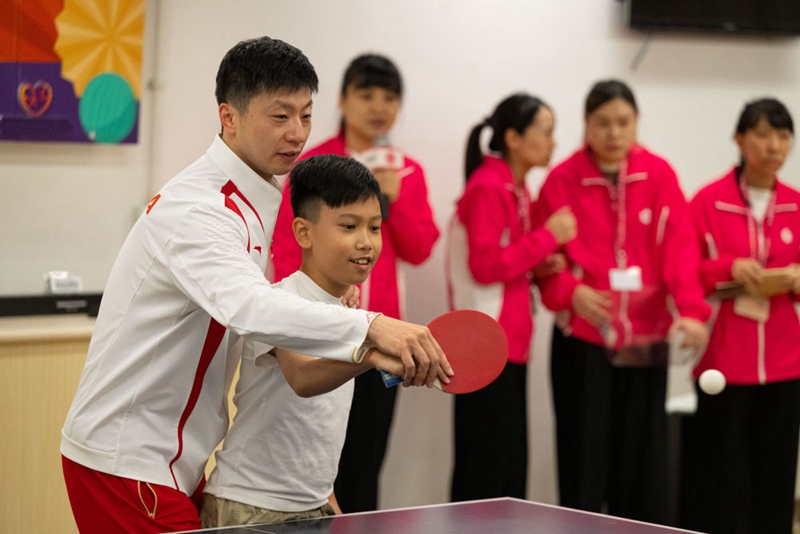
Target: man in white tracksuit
187, 285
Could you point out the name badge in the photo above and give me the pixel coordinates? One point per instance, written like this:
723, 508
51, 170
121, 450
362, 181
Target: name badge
754, 308
629, 279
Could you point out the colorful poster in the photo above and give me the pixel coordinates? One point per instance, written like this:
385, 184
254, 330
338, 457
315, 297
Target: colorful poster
71, 70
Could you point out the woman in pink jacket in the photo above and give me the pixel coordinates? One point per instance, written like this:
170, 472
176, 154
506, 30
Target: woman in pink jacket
740, 458
608, 357
493, 250
369, 102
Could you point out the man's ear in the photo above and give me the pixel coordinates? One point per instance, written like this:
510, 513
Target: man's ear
302, 229
227, 117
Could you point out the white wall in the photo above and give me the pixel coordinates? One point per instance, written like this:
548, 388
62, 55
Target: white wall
69, 206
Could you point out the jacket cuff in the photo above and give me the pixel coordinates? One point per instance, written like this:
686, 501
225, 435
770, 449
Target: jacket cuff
700, 311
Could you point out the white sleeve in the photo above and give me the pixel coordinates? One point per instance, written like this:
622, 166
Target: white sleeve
209, 263
256, 351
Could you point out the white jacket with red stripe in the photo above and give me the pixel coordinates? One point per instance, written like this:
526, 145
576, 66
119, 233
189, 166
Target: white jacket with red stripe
641, 222
188, 283
745, 350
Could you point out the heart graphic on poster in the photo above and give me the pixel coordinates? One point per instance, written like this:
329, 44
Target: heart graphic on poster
35, 98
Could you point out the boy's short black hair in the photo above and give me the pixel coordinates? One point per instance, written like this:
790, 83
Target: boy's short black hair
331, 180
262, 65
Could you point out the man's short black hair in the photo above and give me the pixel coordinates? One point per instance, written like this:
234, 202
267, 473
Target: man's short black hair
262, 65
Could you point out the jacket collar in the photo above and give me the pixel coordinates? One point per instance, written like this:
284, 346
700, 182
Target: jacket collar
631, 168
731, 198
260, 192
502, 170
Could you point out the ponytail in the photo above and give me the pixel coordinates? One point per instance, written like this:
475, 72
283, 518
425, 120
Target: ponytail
516, 112
474, 154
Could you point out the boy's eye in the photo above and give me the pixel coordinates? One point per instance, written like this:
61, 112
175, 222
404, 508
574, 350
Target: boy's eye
349, 226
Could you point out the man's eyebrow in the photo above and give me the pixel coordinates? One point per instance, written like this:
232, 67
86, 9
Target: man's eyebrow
286, 105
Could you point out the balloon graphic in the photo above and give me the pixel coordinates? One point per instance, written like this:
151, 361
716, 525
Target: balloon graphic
107, 109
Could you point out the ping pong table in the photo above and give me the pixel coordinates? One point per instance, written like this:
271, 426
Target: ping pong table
505, 515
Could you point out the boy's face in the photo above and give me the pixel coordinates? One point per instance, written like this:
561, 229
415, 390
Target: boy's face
343, 245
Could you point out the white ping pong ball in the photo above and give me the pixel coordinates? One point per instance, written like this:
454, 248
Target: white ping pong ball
712, 382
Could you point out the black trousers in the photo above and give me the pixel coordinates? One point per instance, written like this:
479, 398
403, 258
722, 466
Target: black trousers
371, 413
739, 460
491, 439
611, 433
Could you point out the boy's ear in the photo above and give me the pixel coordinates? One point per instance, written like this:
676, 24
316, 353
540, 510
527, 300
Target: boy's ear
302, 229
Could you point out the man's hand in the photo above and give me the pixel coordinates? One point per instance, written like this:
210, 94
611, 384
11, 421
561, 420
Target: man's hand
422, 358
592, 305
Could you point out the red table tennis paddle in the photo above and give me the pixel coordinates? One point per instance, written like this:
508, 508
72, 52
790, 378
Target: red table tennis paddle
475, 346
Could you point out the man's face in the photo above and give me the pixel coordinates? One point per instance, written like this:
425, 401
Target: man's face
270, 134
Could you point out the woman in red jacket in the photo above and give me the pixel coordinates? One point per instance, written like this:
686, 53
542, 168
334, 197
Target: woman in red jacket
608, 355
369, 102
740, 458
493, 250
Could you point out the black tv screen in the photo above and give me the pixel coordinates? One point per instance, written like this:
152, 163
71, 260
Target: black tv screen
755, 17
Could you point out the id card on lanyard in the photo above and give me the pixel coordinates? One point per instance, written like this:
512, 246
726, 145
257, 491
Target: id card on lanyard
749, 306
629, 279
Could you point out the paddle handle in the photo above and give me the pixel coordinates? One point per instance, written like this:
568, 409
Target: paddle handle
390, 380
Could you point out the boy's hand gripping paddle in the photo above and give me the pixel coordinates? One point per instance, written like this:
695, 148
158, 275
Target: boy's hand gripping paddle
475, 346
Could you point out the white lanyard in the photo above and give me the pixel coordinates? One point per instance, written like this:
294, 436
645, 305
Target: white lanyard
758, 247
523, 206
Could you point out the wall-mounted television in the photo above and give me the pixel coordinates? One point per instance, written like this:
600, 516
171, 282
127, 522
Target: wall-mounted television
754, 17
